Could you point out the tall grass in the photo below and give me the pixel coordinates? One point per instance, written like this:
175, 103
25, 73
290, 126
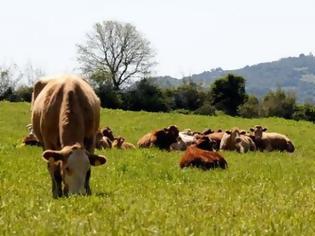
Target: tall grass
143, 192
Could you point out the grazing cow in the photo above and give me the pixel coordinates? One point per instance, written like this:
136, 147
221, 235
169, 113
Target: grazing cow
107, 132
102, 141
65, 119
196, 157
235, 140
162, 138
120, 143
271, 141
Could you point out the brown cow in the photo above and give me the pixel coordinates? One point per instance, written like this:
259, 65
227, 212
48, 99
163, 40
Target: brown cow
217, 137
102, 141
196, 157
235, 140
65, 119
120, 143
202, 141
162, 138
271, 141
107, 132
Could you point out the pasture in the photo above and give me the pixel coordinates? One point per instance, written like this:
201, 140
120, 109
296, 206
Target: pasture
143, 192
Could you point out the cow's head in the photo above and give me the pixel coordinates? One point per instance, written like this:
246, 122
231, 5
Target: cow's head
234, 134
72, 166
258, 131
172, 133
107, 132
205, 143
207, 131
120, 140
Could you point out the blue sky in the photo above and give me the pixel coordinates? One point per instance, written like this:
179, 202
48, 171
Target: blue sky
188, 36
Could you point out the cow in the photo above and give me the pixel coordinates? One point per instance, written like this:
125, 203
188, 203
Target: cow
202, 141
31, 139
271, 141
120, 143
217, 137
107, 132
65, 119
102, 142
199, 158
162, 138
236, 140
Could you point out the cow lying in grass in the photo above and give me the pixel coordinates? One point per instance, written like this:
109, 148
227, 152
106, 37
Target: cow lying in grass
197, 157
120, 143
271, 141
162, 138
236, 140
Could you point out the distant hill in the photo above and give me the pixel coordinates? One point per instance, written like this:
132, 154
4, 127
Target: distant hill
293, 73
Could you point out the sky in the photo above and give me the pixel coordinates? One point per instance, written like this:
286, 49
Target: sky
188, 36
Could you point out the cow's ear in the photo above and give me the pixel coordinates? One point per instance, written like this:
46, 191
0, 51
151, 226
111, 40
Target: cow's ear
264, 129
97, 160
53, 155
252, 129
228, 132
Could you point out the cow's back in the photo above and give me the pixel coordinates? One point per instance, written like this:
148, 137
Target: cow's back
66, 111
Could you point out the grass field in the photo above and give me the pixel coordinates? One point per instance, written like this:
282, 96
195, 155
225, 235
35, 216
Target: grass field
143, 192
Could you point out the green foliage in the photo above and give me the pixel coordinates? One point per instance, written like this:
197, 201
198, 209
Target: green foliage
228, 93
143, 192
189, 96
279, 103
145, 96
304, 112
251, 108
24, 93
205, 109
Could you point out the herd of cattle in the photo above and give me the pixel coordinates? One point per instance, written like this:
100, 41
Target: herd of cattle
65, 122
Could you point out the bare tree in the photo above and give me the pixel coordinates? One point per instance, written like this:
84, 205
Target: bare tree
118, 49
9, 77
32, 74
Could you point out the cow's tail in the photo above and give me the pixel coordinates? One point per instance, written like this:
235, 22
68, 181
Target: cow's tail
290, 146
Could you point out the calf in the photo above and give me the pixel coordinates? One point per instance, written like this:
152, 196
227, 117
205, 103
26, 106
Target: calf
120, 143
196, 157
271, 141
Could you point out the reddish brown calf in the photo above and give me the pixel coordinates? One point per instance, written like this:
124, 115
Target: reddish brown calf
196, 157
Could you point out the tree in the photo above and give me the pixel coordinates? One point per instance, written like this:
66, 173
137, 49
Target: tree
228, 93
251, 108
145, 96
118, 49
279, 103
189, 96
9, 77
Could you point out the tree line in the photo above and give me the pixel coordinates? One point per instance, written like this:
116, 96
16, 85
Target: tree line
114, 54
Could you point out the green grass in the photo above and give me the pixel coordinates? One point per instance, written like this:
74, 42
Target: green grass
143, 192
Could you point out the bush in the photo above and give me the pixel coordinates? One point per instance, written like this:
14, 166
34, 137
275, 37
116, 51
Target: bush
279, 103
250, 109
205, 109
304, 112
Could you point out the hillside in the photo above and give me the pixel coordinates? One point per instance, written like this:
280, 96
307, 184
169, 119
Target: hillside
144, 192
293, 73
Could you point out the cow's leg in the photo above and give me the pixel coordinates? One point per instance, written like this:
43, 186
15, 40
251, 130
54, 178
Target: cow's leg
89, 146
87, 183
56, 179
